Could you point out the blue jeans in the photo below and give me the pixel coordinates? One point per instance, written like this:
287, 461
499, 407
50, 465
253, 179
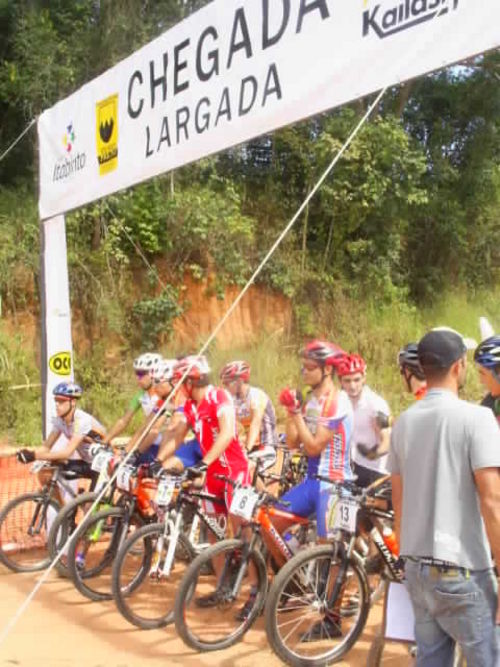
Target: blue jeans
454, 607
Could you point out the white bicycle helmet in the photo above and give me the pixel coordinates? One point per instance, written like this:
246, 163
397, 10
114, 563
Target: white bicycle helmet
147, 362
164, 371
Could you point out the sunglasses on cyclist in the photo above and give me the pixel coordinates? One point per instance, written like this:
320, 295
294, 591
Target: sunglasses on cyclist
62, 399
308, 366
141, 374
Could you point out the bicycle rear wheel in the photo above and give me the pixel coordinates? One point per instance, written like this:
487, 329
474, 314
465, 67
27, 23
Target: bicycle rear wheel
143, 590
93, 548
317, 607
24, 525
208, 606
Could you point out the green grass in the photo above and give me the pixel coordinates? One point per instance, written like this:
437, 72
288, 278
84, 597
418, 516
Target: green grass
376, 333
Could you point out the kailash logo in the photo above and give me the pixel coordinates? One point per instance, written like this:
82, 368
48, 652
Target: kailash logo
72, 162
107, 134
403, 16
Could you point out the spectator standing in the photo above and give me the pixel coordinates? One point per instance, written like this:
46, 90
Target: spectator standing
445, 459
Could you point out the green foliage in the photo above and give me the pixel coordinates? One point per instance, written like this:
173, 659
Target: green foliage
153, 317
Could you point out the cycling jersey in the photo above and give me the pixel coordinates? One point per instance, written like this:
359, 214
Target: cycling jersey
364, 431
333, 411
492, 402
203, 418
82, 424
145, 400
257, 400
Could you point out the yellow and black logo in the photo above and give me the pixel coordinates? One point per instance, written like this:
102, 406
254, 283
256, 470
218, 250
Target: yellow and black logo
107, 134
60, 363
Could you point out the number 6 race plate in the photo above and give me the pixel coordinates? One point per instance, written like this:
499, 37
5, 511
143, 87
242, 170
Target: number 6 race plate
123, 478
243, 503
342, 514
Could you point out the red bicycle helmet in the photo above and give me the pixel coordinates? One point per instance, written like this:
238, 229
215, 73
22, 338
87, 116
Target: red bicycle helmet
234, 370
323, 352
351, 364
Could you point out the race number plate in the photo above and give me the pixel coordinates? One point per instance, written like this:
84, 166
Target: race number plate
100, 461
165, 491
243, 503
123, 477
342, 514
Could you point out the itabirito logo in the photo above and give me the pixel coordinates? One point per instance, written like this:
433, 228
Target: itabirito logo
60, 363
107, 134
69, 164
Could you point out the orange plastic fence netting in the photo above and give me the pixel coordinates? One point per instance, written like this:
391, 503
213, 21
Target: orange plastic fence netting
15, 479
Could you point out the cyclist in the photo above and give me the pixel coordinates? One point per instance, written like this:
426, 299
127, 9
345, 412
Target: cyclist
209, 412
146, 398
254, 410
323, 428
371, 432
80, 429
487, 357
411, 370
170, 456
161, 384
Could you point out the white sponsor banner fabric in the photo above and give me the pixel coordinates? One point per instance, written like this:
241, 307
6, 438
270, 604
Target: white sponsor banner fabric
57, 354
235, 70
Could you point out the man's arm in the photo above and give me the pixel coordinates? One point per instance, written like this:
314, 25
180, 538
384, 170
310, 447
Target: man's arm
119, 426
488, 487
255, 426
62, 454
49, 442
173, 437
313, 444
397, 503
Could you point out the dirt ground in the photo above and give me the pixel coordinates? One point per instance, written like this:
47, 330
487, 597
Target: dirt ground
60, 628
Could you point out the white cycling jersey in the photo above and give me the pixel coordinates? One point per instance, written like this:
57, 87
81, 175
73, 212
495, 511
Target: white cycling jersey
364, 431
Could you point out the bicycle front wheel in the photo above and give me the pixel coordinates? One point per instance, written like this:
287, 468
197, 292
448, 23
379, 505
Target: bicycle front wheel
317, 607
93, 548
64, 525
220, 596
24, 525
144, 581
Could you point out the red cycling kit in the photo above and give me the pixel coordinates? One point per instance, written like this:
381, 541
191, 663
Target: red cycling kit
203, 418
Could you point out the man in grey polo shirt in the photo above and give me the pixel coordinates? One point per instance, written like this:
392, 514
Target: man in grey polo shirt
444, 460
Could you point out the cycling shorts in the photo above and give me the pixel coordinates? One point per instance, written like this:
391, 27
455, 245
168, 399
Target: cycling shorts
307, 499
149, 455
222, 489
189, 453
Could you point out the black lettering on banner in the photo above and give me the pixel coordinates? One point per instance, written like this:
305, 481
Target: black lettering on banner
206, 116
180, 65
307, 6
268, 40
212, 56
149, 152
224, 107
272, 85
134, 112
182, 123
164, 133
244, 43
245, 108
158, 81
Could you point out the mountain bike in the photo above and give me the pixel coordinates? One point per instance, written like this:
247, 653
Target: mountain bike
319, 601
151, 562
96, 541
214, 609
25, 521
71, 513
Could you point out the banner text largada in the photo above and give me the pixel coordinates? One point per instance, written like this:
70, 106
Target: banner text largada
205, 59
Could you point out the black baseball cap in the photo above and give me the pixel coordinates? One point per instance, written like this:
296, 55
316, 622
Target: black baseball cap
440, 348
